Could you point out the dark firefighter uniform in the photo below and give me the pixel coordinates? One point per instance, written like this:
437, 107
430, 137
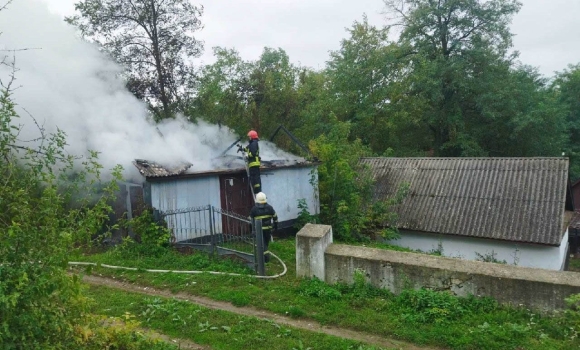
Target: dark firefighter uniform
253, 151
266, 213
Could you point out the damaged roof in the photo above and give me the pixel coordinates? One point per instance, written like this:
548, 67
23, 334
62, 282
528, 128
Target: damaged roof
151, 169
222, 165
512, 199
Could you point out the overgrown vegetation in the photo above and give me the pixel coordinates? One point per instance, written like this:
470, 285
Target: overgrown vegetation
50, 202
419, 316
142, 256
346, 188
148, 231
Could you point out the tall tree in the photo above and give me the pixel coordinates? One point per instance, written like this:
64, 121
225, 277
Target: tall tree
361, 73
259, 94
273, 91
153, 39
223, 91
567, 87
448, 46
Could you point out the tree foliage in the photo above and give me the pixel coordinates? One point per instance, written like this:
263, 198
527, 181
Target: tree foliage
153, 39
246, 95
345, 186
47, 205
362, 73
567, 88
449, 48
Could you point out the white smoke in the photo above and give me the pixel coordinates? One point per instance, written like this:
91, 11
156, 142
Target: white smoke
67, 83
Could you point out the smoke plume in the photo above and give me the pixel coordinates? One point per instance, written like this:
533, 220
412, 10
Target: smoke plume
67, 83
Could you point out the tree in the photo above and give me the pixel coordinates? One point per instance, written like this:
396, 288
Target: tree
567, 87
223, 91
518, 115
153, 39
346, 188
259, 94
360, 74
446, 48
273, 91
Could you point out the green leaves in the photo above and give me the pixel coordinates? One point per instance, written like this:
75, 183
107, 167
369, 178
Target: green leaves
566, 89
44, 212
361, 75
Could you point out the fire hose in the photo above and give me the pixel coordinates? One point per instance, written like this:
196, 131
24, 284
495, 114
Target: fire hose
80, 263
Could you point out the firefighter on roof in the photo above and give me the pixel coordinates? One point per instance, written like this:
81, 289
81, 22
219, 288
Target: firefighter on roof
253, 152
265, 212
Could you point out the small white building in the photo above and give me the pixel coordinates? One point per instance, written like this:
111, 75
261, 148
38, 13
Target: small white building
503, 209
284, 182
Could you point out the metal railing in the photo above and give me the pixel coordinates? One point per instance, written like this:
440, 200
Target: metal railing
215, 231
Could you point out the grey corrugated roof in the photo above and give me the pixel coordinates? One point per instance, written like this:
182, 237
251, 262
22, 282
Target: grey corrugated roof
151, 169
513, 199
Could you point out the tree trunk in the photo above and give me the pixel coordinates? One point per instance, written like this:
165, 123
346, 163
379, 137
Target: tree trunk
158, 65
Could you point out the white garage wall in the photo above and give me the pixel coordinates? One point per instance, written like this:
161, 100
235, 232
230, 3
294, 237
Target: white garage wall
521, 254
284, 187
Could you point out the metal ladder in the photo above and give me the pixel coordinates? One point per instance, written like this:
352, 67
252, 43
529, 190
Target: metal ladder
245, 156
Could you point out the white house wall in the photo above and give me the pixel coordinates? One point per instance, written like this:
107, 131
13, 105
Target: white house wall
188, 193
521, 254
285, 186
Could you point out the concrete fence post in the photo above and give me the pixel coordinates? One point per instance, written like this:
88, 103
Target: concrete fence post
311, 243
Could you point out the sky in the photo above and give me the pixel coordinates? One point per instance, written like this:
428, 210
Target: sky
547, 32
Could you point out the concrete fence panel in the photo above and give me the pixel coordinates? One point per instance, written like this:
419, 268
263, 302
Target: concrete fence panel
311, 243
534, 288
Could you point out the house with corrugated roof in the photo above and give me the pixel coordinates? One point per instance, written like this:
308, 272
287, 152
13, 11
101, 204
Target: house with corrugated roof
226, 187
512, 210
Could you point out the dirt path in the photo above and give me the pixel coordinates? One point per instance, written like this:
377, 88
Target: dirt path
250, 311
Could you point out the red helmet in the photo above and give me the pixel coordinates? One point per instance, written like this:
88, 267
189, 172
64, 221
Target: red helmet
253, 135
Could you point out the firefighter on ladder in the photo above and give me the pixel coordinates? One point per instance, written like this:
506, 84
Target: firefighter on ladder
265, 212
253, 153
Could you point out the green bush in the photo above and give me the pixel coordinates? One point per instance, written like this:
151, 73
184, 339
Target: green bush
48, 204
117, 333
346, 188
318, 289
428, 306
304, 216
148, 231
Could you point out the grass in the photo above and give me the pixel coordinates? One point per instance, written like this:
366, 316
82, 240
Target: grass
135, 255
421, 317
220, 329
574, 265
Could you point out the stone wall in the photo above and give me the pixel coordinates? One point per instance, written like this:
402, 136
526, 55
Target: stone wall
535, 288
